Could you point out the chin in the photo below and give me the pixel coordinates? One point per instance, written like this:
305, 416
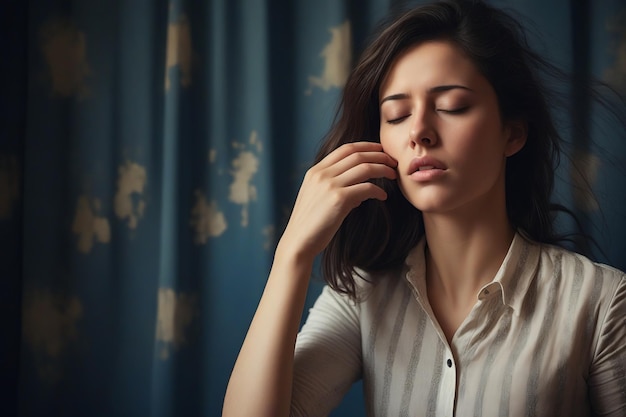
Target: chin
428, 202
430, 206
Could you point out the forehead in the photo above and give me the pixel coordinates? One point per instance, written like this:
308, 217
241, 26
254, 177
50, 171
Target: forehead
429, 64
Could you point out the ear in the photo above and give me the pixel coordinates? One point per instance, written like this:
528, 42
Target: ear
517, 131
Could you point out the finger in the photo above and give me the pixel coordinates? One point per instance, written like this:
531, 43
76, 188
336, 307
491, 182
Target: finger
364, 172
359, 158
358, 193
347, 149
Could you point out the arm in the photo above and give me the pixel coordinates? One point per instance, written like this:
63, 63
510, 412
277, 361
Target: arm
607, 379
261, 381
328, 356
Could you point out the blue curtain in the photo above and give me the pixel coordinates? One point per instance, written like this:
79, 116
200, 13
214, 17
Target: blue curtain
150, 153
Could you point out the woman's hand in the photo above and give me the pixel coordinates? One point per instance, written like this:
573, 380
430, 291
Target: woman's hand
330, 190
263, 373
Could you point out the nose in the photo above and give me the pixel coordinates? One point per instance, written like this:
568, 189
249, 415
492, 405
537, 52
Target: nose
422, 134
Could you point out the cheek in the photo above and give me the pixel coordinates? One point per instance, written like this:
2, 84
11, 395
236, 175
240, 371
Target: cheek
381, 138
480, 140
388, 146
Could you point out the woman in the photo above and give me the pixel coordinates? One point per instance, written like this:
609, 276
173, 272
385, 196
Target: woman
430, 201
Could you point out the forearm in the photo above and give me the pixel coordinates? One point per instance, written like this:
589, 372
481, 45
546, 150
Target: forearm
261, 382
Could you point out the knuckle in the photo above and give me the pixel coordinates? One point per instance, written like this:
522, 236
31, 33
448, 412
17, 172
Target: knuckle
357, 158
336, 197
350, 147
315, 175
370, 169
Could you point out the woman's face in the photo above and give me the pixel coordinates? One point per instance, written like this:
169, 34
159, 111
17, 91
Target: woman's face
439, 118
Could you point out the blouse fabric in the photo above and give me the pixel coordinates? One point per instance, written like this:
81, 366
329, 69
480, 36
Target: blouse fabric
547, 337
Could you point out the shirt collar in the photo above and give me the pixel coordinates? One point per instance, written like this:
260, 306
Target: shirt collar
517, 271
512, 279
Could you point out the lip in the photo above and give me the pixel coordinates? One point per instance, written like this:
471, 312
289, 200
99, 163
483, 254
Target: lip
434, 169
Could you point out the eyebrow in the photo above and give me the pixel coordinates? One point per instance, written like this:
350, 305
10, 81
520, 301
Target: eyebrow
437, 89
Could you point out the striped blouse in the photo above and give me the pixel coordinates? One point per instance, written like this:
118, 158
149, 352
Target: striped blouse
547, 337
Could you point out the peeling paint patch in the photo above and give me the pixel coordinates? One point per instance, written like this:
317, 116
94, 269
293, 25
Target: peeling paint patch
88, 225
179, 51
237, 145
49, 328
337, 57
255, 142
64, 49
174, 315
129, 203
206, 219
245, 166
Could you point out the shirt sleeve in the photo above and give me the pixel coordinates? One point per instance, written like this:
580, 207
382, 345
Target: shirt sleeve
328, 357
607, 379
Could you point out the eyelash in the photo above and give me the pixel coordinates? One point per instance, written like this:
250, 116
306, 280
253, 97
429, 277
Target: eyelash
460, 110
454, 111
397, 120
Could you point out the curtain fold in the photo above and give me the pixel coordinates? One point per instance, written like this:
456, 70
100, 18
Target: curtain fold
150, 153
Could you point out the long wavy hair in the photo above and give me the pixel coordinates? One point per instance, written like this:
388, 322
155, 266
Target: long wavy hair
377, 235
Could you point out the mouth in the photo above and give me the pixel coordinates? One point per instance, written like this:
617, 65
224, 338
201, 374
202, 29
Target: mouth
425, 163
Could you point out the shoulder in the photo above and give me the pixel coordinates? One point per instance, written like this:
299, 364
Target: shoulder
374, 285
577, 275
372, 289
570, 263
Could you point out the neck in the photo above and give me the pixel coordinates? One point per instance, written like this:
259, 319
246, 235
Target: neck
465, 251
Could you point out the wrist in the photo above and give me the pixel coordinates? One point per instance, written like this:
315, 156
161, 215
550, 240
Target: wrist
293, 257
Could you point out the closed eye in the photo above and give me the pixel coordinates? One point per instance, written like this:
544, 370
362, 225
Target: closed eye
460, 110
397, 120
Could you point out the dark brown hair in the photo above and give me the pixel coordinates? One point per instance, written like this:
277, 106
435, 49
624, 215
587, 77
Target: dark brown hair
378, 235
